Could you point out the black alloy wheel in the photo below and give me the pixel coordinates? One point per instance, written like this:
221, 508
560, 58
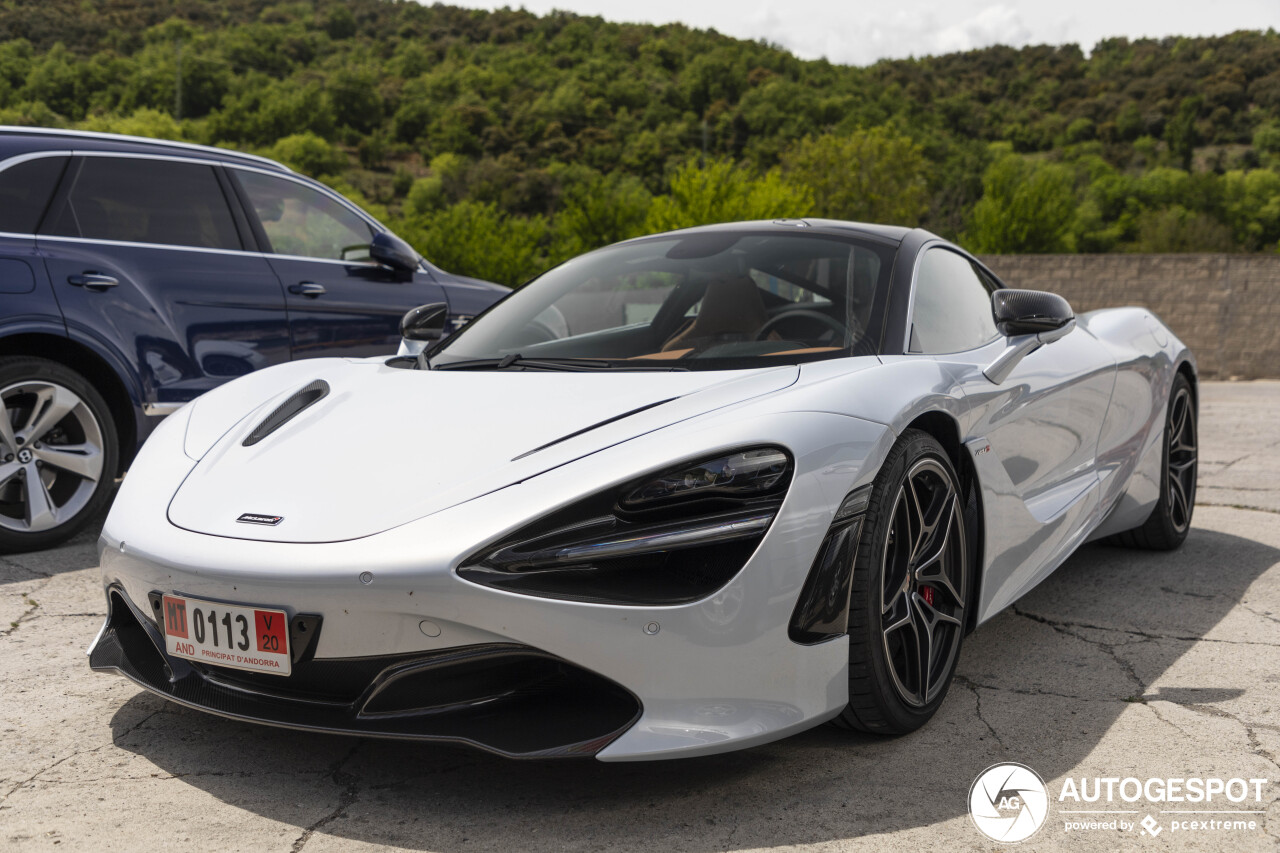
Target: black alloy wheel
1170, 520
911, 591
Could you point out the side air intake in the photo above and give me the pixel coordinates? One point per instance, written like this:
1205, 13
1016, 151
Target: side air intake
288, 410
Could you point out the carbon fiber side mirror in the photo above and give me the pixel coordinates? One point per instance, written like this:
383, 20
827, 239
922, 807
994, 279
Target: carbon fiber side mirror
1029, 312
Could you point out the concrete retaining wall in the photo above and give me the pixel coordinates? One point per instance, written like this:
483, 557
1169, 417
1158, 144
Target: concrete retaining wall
1225, 307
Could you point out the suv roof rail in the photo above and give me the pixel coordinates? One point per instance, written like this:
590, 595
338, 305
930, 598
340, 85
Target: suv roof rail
146, 140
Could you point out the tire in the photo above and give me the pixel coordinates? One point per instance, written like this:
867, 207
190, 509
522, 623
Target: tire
931, 588
57, 431
1170, 521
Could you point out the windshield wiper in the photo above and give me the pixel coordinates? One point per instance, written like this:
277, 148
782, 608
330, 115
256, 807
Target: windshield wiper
516, 360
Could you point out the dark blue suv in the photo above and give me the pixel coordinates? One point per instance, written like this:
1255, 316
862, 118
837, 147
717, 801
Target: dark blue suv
136, 274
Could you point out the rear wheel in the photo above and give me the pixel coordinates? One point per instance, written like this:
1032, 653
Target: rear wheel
58, 453
910, 592
1171, 519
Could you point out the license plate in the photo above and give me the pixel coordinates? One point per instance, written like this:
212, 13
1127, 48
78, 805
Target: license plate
250, 638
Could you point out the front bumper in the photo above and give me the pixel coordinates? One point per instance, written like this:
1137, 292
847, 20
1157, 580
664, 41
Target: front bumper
501, 697
647, 682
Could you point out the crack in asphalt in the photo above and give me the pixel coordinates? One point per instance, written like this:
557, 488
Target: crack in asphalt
1267, 616
1250, 729
1233, 488
1248, 455
1031, 691
113, 742
977, 698
1062, 627
1162, 718
733, 830
194, 774
1108, 648
27, 569
32, 606
349, 793
1255, 743
1173, 591
1241, 506
36, 775
418, 777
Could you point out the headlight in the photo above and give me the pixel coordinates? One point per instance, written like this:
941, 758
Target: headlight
666, 539
744, 474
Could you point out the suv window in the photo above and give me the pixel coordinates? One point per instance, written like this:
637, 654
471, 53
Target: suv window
25, 189
301, 221
952, 311
139, 200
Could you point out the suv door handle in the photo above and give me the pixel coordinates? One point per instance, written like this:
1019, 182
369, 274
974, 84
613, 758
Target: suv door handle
93, 281
307, 288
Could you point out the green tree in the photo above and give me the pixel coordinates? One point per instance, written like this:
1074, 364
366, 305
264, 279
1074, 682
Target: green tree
868, 176
532, 106
1026, 206
142, 122
310, 154
1181, 133
480, 240
600, 210
1176, 229
55, 80
724, 191
1251, 207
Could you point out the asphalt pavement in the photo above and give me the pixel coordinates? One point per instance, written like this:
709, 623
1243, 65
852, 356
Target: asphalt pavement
1124, 664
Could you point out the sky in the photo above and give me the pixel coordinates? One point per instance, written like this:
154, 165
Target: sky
859, 33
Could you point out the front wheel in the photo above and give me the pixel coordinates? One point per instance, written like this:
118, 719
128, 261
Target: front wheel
911, 586
58, 453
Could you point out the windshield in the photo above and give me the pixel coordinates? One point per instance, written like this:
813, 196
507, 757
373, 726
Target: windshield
707, 300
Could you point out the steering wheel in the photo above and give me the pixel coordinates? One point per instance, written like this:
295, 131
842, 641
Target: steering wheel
806, 314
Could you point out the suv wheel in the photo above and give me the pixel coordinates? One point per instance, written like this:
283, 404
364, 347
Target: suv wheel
58, 453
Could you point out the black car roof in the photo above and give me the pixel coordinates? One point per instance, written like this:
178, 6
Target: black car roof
886, 233
24, 140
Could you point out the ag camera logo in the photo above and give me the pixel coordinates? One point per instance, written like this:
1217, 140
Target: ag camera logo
1008, 802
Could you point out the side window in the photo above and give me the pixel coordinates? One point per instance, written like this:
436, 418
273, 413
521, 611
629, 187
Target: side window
301, 221
147, 201
952, 310
25, 190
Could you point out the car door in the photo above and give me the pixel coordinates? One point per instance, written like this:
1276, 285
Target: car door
1033, 437
340, 302
146, 258
27, 184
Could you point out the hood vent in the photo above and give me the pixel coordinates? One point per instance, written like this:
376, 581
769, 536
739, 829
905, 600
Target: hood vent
286, 411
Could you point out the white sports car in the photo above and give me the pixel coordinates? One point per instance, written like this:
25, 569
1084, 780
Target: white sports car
681, 495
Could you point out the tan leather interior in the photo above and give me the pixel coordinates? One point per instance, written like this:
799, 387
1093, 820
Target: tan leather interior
665, 355
806, 351
731, 306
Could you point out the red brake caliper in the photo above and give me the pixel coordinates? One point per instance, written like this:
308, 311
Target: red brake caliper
926, 592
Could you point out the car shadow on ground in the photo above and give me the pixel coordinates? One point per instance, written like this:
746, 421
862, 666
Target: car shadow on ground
1041, 685
78, 552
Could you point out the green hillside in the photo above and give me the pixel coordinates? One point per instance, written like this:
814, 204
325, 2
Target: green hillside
501, 142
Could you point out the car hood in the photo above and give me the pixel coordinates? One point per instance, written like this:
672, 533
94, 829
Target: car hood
387, 446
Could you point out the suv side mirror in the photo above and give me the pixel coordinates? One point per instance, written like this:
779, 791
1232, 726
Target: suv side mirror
1028, 319
1029, 312
394, 253
424, 323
